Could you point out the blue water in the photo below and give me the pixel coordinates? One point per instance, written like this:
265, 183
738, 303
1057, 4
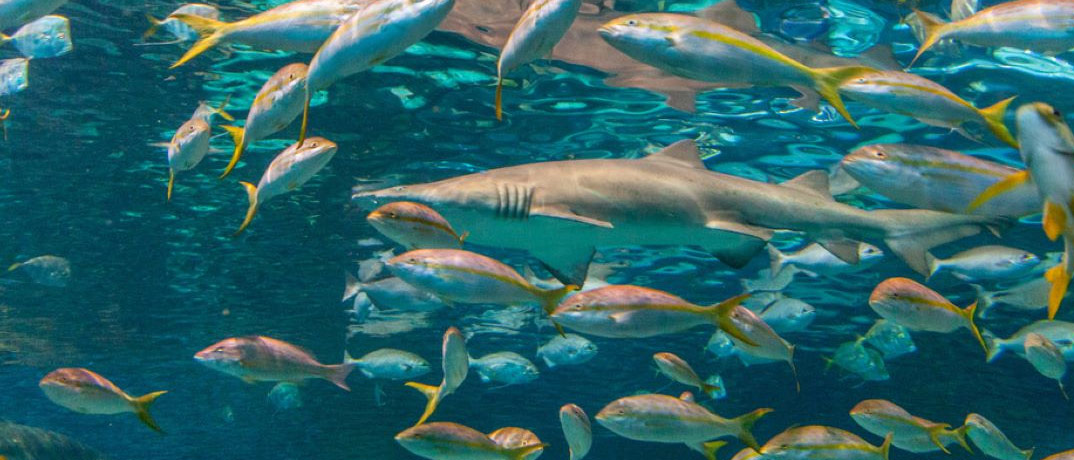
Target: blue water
154, 282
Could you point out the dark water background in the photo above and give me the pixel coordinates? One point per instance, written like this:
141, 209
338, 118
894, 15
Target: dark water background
155, 282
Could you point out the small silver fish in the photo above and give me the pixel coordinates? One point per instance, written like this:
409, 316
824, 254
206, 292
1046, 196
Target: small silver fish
677, 369
1060, 333
394, 293
14, 75
45, 270
577, 430
890, 339
859, 360
567, 350
789, 315
47, 37
391, 364
285, 396
985, 263
815, 259
505, 367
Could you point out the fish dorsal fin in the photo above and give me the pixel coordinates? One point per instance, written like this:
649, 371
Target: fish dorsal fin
683, 153
815, 182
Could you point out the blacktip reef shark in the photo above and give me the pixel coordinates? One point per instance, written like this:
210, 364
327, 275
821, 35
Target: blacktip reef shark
560, 211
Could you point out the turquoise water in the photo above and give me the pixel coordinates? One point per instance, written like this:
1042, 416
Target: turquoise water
154, 282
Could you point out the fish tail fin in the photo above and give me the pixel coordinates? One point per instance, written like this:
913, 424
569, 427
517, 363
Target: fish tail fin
432, 394
745, 424
1058, 277
721, 313
912, 232
550, 298
826, 82
499, 98
305, 116
970, 313
993, 118
171, 182
934, 265
4, 39
462, 237
520, 453
154, 24
885, 448
352, 287
1055, 220
794, 371
210, 31
251, 192
238, 135
934, 436
337, 373
14, 266
958, 433
934, 30
1002, 186
219, 110
994, 346
776, 259
710, 390
141, 409
708, 449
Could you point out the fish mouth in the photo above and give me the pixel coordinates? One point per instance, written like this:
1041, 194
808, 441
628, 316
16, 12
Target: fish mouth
606, 31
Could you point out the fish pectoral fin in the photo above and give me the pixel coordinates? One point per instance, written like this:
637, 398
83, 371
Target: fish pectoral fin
814, 182
844, 248
1003, 186
568, 264
562, 212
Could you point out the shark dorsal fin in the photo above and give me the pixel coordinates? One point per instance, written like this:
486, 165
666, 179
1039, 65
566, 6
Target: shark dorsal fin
815, 182
683, 152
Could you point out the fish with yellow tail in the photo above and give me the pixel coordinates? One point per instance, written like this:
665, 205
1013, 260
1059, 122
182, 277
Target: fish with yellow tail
415, 226
456, 364
258, 358
1047, 359
277, 104
179, 29
1047, 149
909, 433
383, 29
699, 49
816, 442
1065, 455
931, 103
1038, 25
86, 392
760, 340
190, 143
991, 441
289, 170
513, 438
916, 307
451, 441
301, 26
577, 430
18, 12
662, 418
541, 26
677, 369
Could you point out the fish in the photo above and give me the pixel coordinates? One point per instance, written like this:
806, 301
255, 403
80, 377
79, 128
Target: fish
462, 276
46, 270
190, 143
720, 344
378, 32
890, 338
667, 198
451, 441
1039, 25
504, 367
788, 315
456, 365
991, 441
815, 259
513, 437
747, 454
21, 442
179, 29
301, 26
1029, 295
816, 442
705, 50
293, 167
15, 13
677, 369
662, 418
1065, 455
257, 358
909, 433
1060, 333
758, 340
622, 311
984, 263
390, 364
394, 293
277, 104
938, 179
541, 26
14, 76
916, 307
285, 396
415, 226
47, 37
86, 392
855, 358
577, 430
567, 350
1046, 358
931, 103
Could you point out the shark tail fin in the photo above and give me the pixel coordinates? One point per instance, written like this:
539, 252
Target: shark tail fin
238, 135
826, 82
1002, 186
993, 118
251, 192
777, 260
141, 409
934, 32
721, 314
432, 394
745, 427
211, 32
912, 232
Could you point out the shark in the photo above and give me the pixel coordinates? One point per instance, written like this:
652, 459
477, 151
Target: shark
561, 211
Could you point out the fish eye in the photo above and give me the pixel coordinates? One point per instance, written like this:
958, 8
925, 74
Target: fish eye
632, 22
392, 215
880, 155
1056, 113
218, 349
313, 144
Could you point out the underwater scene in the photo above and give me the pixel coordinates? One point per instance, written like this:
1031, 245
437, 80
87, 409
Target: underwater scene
520, 229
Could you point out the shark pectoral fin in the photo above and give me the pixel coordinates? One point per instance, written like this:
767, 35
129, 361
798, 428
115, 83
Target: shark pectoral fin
814, 182
561, 212
683, 153
739, 248
911, 252
843, 248
569, 264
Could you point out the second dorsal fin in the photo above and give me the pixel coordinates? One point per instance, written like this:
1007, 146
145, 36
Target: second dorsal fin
815, 182
683, 152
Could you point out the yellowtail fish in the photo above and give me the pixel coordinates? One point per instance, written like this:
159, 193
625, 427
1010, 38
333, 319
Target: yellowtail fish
86, 392
916, 307
918, 97
46, 270
1039, 25
467, 277
456, 364
538, 30
18, 12
1060, 333
277, 104
747, 454
700, 49
301, 26
190, 143
289, 170
47, 37
514, 438
1066, 455
621, 311
942, 180
662, 418
815, 442
1046, 359
991, 441
760, 340
415, 226
985, 263
264, 359
909, 433
677, 369
177, 28
577, 430
382, 30
1048, 152
451, 441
